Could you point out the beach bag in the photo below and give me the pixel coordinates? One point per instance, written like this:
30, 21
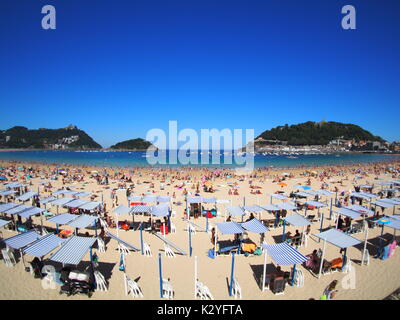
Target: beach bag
211, 254
258, 252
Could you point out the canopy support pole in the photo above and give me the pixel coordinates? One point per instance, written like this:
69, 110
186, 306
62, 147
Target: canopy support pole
322, 224
322, 259
160, 273
195, 277
232, 273
141, 238
264, 270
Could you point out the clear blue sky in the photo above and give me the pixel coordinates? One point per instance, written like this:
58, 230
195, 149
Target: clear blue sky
119, 68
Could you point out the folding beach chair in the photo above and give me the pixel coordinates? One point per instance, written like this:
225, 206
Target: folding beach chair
132, 287
173, 228
122, 249
100, 281
203, 292
236, 290
147, 250
101, 245
168, 251
8, 257
168, 291
103, 224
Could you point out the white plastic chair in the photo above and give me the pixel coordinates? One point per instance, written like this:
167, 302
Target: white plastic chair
103, 224
100, 281
147, 250
168, 251
173, 228
50, 274
192, 229
366, 258
132, 287
122, 249
348, 266
236, 290
101, 245
8, 257
168, 290
203, 292
299, 278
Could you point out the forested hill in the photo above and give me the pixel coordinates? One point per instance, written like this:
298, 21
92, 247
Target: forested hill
317, 133
65, 138
133, 144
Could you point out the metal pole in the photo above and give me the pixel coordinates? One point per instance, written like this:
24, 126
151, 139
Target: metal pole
283, 232
195, 277
330, 211
294, 274
264, 270
322, 223
141, 237
190, 241
322, 260
365, 246
207, 222
232, 273
160, 273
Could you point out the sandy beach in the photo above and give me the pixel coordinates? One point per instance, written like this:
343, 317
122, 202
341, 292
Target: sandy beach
375, 281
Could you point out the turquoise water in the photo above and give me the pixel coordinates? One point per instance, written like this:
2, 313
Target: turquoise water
138, 159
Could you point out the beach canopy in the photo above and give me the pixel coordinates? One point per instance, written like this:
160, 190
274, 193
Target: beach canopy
83, 221
121, 209
229, 227
162, 210
316, 204
348, 213
394, 201
286, 206
209, 200
252, 208
163, 199
135, 198
303, 194
73, 250
63, 192
279, 196
48, 199
18, 209
26, 196
383, 204
4, 222
75, 203
297, 220
194, 199
284, 254
270, 207
14, 185
148, 198
140, 209
44, 245
7, 192
235, 211
360, 209
22, 240
119, 240
324, 192
90, 205
61, 202
338, 238
7, 206
82, 194
63, 218
30, 212
254, 225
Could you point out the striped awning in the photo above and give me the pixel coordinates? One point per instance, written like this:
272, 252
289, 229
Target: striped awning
252, 208
140, 209
82, 194
90, 205
14, 185
48, 199
369, 195
63, 218
360, 209
76, 203
338, 238
229, 227
163, 199
316, 204
324, 192
17, 210
44, 245
4, 222
303, 194
73, 250
7, 206
270, 207
26, 196
30, 212
383, 204
135, 198
21, 240
254, 226
391, 200
235, 211
147, 199
121, 209
286, 206
126, 244
61, 202
297, 220
83, 221
6, 192
348, 213
279, 196
162, 210
209, 200
194, 199
284, 254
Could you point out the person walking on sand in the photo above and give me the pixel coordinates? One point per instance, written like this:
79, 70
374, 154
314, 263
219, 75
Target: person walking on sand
330, 291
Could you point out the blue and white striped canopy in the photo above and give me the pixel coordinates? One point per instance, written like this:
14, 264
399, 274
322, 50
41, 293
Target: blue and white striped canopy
140, 209
194, 199
19, 209
360, 209
297, 220
252, 208
229, 227
63, 192
338, 238
6, 192
383, 204
76, 203
148, 198
209, 200
394, 223
286, 206
284, 254
270, 207
391, 200
63, 218
369, 195
126, 244
90, 205
316, 204
303, 194
47, 200
82, 194
121, 209
30, 212
61, 202
73, 250
162, 210
348, 213
235, 211
135, 198
83, 221
4, 222
26, 196
325, 192
279, 196
7, 206
21, 240
312, 192
13, 185
44, 245
163, 199
254, 226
